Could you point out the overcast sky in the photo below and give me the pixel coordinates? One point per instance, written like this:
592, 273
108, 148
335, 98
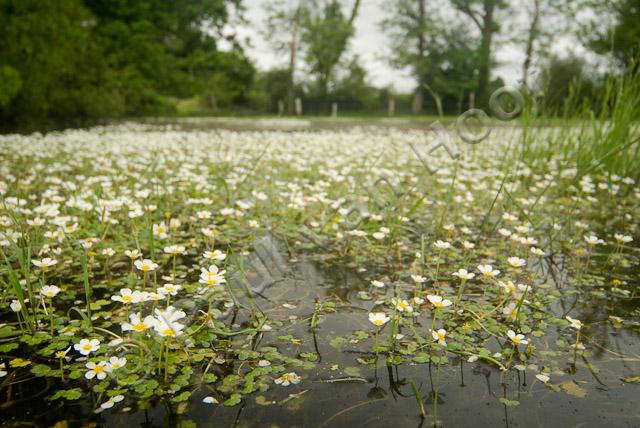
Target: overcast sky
371, 45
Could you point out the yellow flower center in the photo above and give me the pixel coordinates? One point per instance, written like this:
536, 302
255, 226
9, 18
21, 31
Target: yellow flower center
86, 347
377, 322
127, 298
99, 368
139, 326
167, 332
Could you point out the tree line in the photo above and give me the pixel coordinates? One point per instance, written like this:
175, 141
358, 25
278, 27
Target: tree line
72, 62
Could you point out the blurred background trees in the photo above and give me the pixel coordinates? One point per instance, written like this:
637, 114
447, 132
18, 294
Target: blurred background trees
73, 62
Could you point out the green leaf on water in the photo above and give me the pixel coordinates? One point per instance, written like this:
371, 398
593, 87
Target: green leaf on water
233, 400
631, 379
421, 358
352, 371
262, 401
67, 394
181, 397
43, 370
572, 388
8, 347
509, 403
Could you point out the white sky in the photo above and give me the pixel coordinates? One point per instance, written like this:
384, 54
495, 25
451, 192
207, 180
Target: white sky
371, 45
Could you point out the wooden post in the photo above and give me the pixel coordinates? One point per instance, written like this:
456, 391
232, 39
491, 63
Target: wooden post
472, 100
334, 110
298, 107
391, 107
280, 107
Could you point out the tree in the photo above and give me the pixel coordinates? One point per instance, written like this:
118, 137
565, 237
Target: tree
483, 14
68, 62
154, 44
326, 34
622, 39
545, 19
440, 54
566, 85
409, 27
52, 70
353, 92
283, 30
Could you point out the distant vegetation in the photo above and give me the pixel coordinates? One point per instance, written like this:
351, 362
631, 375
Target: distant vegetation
73, 62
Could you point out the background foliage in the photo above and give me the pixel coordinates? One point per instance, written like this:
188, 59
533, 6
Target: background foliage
74, 62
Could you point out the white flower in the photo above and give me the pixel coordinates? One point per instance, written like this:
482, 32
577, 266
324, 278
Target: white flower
3, 372
504, 232
488, 271
472, 358
440, 336
135, 213
377, 284
287, 379
378, 318
516, 262
112, 401
108, 252
166, 322
402, 305
442, 245
132, 254
45, 263
464, 275
518, 339
116, 363
99, 370
15, 306
574, 323
418, 279
169, 289
174, 249
593, 240
210, 400
468, 245
543, 378
214, 255
622, 239
508, 286
537, 251
49, 291
145, 265
160, 230
138, 324
128, 296
378, 235
438, 301
86, 346
511, 310
212, 276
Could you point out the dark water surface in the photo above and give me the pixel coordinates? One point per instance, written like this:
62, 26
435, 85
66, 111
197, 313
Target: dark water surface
468, 393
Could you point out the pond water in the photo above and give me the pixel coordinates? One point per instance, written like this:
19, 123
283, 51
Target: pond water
213, 267
340, 391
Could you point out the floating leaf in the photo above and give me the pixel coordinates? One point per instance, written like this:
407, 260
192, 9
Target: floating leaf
509, 403
572, 388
